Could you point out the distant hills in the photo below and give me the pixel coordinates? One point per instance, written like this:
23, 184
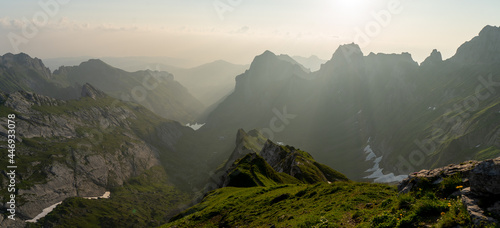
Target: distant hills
313, 63
209, 82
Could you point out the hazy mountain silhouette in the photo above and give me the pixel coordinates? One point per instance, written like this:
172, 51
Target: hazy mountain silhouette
156, 90
385, 101
313, 63
208, 82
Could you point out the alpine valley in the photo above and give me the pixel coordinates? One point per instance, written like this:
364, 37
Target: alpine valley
366, 140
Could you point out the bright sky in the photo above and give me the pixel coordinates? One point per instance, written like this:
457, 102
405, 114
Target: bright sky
238, 30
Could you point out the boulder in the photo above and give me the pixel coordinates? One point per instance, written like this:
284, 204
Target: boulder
485, 178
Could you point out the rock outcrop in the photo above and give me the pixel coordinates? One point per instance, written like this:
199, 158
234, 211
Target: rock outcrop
480, 189
482, 49
89, 91
273, 163
485, 178
298, 164
434, 59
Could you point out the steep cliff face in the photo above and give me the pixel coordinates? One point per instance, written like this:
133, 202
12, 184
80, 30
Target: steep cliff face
84, 147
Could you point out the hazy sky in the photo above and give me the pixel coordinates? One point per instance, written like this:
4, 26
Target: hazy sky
237, 30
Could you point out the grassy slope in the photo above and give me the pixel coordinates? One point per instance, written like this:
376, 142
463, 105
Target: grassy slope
252, 170
340, 204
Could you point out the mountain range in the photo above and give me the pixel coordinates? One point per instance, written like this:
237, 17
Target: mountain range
285, 147
217, 77
156, 90
381, 113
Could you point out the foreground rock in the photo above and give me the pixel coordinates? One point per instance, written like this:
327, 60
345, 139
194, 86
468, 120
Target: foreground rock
479, 189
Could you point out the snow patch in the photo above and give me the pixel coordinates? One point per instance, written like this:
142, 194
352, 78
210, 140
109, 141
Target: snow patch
195, 126
377, 174
370, 153
49, 209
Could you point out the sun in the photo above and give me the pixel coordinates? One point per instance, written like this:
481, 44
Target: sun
350, 6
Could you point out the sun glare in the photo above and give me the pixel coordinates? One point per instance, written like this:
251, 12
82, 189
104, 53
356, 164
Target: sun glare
350, 7
350, 4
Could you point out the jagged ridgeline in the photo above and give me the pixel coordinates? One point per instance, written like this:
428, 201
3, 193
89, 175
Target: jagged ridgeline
155, 90
360, 109
84, 147
365, 115
273, 164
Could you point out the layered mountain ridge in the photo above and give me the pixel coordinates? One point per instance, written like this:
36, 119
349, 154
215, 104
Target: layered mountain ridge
156, 90
386, 101
374, 116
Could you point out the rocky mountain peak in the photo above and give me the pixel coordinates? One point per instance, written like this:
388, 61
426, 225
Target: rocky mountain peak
390, 59
89, 91
268, 68
267, 53
24, 60
489, 30
482, 49
94, 64
270, 60
433, 59
349, 55
241, 135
